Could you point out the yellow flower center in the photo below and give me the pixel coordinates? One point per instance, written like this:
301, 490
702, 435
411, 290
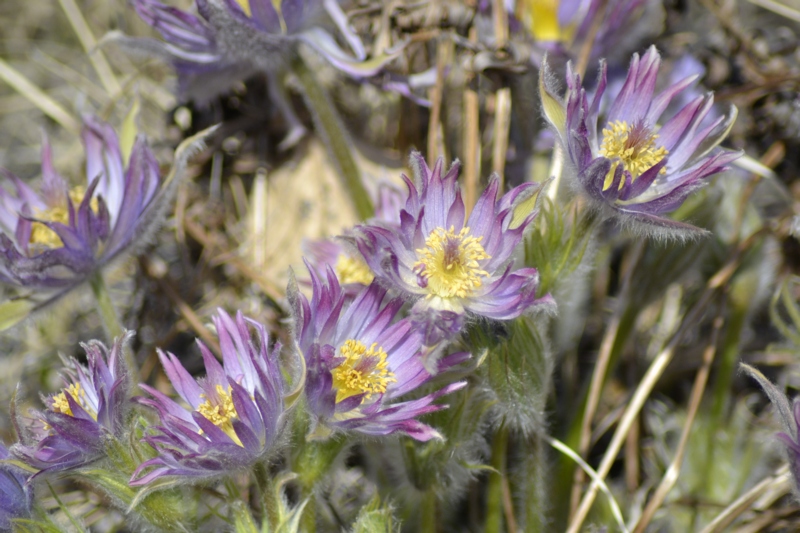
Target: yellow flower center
221, 412
362, 371
61, 404
352, 270
44, 236
449, 262
634, 146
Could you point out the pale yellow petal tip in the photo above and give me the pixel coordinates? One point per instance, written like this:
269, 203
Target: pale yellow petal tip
554, 110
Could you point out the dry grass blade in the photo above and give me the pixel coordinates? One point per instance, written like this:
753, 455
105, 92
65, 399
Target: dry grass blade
672, 473
46, 105
89, 44
599, 374
472, 140
776, 7
650, 379
566, 450
743, 502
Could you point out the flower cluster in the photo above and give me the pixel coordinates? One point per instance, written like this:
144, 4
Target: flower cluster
629, 163
57, 239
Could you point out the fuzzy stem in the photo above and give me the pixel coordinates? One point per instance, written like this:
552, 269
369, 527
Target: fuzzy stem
269, 495
429, 510
110, 319
494, 503
105, 307
537, 483
334, 135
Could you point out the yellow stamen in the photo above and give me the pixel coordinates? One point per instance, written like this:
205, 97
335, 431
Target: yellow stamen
635, 148
61, 404
245, 5
221, 412
449, 262
44, 236
352, 270
364, 370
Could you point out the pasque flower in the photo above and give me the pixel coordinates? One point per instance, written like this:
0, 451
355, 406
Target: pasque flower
59, 238
16, 495
234, 415
359, 362
232, 39
449, 263
789, 414
93, 406
564, 27
351, 270
625, 160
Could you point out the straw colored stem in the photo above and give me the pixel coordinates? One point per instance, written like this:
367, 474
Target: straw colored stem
89, 44
600, 369
650, 379
743, 502
472, 146
671, 475
37, 97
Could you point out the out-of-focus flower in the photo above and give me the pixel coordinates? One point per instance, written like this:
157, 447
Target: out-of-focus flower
790, 420
630, 163
73, 430
16, 496
566, 29
451, 264
351, 270
57, 239
232, 39
235, 414
359, 362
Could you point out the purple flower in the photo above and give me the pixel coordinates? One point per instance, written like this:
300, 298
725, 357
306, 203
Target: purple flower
351, 270
92, 408
789, 414
358, 362
232, 39
57, 239
631, 163
16, 496
450, 264
235, 414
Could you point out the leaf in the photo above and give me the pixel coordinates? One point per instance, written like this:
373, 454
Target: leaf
14, 311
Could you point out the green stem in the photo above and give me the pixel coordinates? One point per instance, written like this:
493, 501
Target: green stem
105, 307
537, 487
334, 135
110, 319
429, 511
269, 495
494, 503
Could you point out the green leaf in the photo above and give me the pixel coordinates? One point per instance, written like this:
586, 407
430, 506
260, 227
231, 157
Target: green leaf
14, 311
375, 518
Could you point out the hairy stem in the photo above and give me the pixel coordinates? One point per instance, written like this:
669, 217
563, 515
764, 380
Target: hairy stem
332, 132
